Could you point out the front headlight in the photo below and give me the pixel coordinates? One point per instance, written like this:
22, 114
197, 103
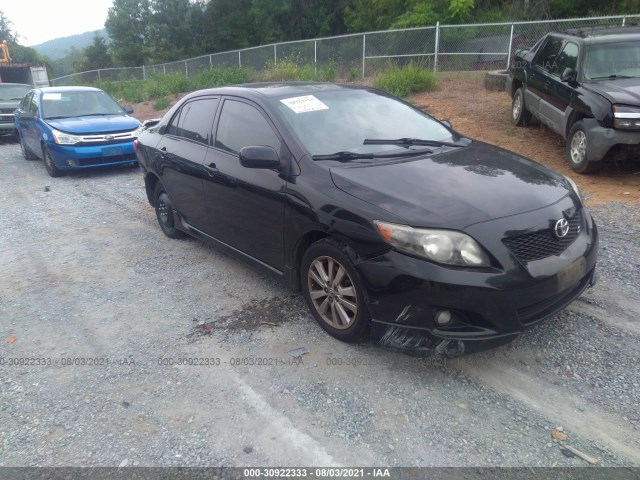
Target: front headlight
441, 246
62, 138
575, 188
625, 117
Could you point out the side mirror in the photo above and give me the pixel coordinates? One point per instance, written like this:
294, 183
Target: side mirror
446, 123
568, 75
259, 157
27, 116
151, 122
129, 110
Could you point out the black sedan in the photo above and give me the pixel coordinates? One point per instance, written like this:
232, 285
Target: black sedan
386, 219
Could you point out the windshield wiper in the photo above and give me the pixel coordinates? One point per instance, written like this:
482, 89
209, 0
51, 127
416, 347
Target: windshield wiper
344, 156
408, 142
97, 114
348, 156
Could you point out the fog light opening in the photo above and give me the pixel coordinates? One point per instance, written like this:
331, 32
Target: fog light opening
72, 163
443, 318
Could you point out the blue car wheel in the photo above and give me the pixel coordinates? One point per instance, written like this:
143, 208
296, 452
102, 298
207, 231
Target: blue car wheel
48, 162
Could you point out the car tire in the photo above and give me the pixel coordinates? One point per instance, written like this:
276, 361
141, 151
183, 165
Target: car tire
49, 165
520, 116
333, 290
577, 152
26, 153
164, 213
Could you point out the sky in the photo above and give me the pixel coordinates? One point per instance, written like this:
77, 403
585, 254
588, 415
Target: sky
37, 21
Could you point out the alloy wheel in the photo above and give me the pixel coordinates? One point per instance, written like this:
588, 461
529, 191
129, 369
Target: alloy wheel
332, 292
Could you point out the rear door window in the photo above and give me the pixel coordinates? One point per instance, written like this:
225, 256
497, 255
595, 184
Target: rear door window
194, 120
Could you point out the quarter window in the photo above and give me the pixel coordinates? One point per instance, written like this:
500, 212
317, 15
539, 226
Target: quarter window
194, 120
242, 125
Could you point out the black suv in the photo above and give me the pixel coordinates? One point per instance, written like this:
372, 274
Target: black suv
584, 85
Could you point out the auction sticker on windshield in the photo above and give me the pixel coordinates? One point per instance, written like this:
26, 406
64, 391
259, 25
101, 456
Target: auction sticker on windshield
52, 96
307, 103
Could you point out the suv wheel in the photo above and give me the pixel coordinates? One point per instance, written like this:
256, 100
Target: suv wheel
520, 116
164, 213
577, 153
333, 290
52, 170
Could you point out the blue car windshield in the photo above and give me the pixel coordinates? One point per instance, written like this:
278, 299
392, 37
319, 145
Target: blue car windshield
341, 120
78, 104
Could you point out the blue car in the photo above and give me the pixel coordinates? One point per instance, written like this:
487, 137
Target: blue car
73, 128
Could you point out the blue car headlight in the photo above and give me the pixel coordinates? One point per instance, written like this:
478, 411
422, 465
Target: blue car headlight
62, 138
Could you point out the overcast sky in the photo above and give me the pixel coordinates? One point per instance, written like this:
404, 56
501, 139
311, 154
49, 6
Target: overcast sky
37, 21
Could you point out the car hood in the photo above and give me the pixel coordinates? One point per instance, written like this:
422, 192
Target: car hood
617, 90
455, 189
94, 124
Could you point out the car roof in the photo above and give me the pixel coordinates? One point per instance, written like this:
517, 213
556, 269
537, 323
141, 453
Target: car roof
276, 89
68, 89
604, 34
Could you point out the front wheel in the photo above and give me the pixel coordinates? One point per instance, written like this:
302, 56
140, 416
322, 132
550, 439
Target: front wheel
48, 163
577, 151
333, 291
164, 213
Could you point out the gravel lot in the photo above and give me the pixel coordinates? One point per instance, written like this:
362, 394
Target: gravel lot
86, 273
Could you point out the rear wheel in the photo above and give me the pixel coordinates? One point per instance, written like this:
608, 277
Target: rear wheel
164, 213
48, 163
26, 153
333, 290
577, 150
520, 116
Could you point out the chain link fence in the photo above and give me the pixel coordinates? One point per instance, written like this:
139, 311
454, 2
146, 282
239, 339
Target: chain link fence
466, 47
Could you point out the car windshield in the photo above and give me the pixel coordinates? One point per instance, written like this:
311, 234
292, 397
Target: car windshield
612, 60
341, 120
13, 92
78, 104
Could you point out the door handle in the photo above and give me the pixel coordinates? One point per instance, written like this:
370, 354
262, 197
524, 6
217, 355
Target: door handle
212, 169
547, 83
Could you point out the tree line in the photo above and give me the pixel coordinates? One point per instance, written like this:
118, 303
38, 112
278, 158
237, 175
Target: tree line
157, 31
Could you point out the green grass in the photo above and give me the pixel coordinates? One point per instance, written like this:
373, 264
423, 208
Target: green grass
288, 70
400, 81
157, 87
161, 103
403, 81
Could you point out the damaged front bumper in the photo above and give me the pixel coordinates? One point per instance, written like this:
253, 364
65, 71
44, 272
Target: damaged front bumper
486, 309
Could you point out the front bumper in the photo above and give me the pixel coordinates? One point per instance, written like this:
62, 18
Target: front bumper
489, 307
72, 157
600, 139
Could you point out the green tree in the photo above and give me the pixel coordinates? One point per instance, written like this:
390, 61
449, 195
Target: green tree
170, 36
95, 55
127, 26
6, 29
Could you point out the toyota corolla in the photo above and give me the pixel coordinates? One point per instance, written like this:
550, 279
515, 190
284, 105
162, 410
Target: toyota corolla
387, 220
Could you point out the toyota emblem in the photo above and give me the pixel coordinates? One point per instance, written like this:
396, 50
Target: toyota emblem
562, 228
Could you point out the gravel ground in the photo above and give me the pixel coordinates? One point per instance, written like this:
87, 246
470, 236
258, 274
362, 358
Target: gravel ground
86, 273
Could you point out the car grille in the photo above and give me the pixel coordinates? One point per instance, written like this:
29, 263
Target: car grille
86, 162
7, 110
543, 243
